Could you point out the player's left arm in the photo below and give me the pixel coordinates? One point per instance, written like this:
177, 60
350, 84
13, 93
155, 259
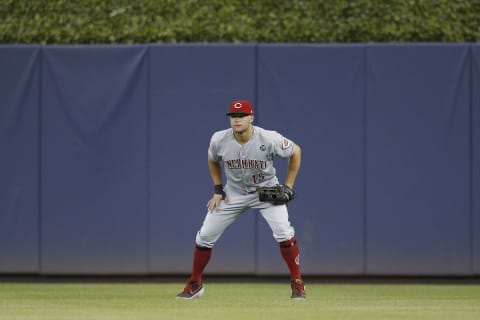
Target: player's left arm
293, 166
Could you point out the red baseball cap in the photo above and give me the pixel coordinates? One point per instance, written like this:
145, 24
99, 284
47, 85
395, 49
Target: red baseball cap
240, 107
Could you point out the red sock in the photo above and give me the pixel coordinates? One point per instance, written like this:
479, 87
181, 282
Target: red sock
201, 256
291, 255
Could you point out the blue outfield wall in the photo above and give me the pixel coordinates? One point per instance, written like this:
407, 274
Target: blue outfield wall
19, 159
418, 160
103, 156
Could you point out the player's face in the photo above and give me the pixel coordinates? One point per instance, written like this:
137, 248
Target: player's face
240, 124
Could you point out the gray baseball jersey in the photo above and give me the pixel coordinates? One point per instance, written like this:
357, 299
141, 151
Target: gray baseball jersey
250, 165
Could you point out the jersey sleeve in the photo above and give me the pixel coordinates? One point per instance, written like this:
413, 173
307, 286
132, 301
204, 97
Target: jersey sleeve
212, 150
283, 147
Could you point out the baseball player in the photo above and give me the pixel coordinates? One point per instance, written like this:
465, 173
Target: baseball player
247, 153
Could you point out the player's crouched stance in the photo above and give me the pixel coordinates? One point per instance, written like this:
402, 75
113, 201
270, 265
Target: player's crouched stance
247, 153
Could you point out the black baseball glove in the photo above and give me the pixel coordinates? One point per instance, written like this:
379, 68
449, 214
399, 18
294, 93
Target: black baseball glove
277, 195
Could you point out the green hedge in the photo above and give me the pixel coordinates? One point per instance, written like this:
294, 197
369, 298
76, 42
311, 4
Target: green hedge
307, 21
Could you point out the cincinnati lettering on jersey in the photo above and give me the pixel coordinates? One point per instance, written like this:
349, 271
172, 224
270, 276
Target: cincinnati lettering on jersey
246, 164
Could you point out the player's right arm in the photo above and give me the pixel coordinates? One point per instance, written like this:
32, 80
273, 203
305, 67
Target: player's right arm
215, 171
216, 174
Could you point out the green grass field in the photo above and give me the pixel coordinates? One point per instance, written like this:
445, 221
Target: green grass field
229, 301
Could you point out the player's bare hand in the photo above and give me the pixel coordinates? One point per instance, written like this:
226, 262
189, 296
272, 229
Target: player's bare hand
214, 202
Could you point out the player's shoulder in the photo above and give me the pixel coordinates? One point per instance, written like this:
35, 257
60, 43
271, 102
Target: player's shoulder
266, 133
222, 135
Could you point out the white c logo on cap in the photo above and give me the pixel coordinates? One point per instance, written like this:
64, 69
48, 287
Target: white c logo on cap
237, 105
